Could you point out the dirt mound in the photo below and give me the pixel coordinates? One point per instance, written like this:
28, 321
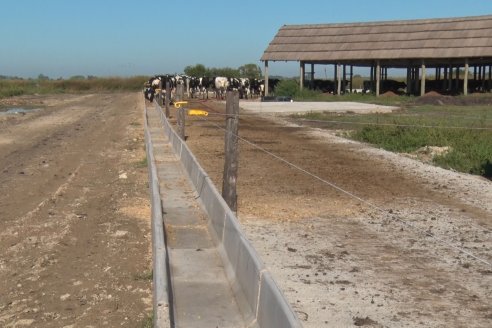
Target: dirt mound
427, 154
389, 94
432, 94
435, 98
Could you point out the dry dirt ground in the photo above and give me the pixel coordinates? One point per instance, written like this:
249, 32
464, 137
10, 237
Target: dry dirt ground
388, 255
74, 229
74, 213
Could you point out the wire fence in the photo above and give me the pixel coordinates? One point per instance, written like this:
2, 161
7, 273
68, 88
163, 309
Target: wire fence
423, 126
398, 218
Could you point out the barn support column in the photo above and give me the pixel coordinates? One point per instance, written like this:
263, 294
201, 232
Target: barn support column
344, 85
409, 81
465, 79
335, 78
480, 76
339, 80
457, 81
483, 77
372, 84
302, 68
378, 77
412, 80
450, 84
351, 78
490, 77
266, 78
422, 80
445, 78
312, 76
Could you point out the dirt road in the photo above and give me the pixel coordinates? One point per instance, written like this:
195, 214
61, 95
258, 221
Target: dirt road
74, 214
388, 255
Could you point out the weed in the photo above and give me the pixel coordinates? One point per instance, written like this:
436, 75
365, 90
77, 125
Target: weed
142, 164
146, 275
148, 322
17, 87
412, 128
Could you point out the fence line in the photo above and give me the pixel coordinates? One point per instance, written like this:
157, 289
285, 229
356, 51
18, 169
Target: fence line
246, 272
375, 123
400, 125
378, 208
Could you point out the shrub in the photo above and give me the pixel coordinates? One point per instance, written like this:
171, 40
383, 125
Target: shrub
17, 87
287, 88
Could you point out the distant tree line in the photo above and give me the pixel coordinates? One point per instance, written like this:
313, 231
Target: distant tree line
251, 71
42, 77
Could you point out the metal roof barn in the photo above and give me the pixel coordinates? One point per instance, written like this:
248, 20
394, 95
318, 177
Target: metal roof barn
443, 44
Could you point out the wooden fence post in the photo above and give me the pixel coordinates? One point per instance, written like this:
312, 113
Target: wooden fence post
168, 98
159, 96
179, 92
181, 122
231, 150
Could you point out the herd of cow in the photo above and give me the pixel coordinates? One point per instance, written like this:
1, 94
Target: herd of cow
330, 86
199, 87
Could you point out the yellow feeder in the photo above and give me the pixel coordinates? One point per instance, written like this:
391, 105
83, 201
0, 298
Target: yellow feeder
178, 104
197, 112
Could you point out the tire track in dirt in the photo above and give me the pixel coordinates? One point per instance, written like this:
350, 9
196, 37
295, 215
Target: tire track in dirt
75, 230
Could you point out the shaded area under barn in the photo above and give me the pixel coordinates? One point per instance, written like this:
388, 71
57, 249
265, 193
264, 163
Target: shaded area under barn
458, 50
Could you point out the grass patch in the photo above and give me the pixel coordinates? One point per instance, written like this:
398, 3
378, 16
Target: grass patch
146, 275
148, 322
142, 164
290, 88
18, 87
466, 130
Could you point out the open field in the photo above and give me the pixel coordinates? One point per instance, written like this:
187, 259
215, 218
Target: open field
17, 87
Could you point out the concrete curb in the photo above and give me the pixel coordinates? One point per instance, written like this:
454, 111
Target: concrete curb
161, 304
249, 278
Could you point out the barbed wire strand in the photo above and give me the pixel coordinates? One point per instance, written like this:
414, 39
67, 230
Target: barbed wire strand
373, 206
374, 123
401, 125
260, 116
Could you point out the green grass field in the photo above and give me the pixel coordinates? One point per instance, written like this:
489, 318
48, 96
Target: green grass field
18, 87
466, 130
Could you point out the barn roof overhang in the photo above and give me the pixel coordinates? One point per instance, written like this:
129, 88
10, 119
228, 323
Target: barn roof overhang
438, 42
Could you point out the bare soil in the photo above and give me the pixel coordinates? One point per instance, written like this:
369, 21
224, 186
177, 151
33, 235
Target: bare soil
384, 252
75, 238
74, 213
435, 98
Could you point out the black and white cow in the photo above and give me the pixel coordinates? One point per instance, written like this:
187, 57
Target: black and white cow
158, 82
221, 85
255, 87
199, 86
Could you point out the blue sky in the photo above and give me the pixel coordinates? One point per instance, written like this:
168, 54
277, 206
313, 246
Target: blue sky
62, 38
